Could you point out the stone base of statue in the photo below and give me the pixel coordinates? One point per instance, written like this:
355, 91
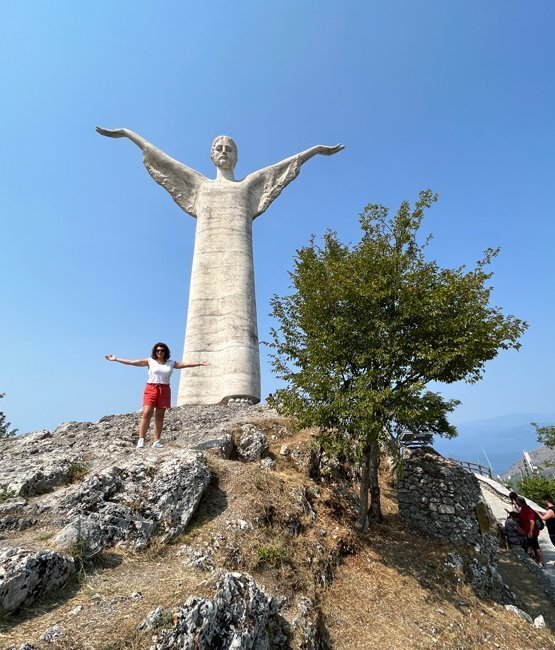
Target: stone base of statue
233, 376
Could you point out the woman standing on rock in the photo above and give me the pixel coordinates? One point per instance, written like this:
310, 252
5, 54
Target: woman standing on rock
157, 393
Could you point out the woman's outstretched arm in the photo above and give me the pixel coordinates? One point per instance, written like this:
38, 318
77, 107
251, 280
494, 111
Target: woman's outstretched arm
178, 365
127, 362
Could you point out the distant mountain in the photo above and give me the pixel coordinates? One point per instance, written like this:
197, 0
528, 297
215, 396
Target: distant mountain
502, 439
543, 458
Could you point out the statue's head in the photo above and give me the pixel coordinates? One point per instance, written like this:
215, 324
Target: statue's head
224, 152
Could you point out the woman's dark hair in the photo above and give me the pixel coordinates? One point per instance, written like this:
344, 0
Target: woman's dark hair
167, 352
520, 501
548, 497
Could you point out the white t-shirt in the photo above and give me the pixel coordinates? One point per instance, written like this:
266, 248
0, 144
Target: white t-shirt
159, 373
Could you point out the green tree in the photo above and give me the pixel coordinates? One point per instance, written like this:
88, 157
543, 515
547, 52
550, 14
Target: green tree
5, 431
534, 487
546, 435
369, 326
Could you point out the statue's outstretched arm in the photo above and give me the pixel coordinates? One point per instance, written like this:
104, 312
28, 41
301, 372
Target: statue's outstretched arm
180, 181
318, 149
124, 133
268, 183
146, 147
307, 154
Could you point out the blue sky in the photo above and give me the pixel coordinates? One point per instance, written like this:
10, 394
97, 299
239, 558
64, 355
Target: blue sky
457, 96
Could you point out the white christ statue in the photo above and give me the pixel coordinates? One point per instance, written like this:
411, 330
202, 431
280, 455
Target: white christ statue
221, 320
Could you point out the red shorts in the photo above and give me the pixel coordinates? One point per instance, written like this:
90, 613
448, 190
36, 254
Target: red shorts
158, 395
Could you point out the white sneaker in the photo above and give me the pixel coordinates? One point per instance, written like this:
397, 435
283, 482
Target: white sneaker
157, 444
140, 443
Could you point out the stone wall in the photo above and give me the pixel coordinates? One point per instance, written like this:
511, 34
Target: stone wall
444, 500
440, 497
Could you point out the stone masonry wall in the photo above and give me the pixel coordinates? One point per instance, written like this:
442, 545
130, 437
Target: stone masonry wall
439, 497
444, 500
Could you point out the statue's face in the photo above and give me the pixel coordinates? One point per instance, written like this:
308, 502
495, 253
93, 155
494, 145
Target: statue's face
224, 153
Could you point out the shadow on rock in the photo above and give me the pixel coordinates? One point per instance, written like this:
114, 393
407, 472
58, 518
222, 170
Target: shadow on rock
212, 505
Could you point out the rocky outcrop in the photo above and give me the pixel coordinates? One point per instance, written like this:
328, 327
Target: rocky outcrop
241, 616
47, 464
26, 575
252, 444
478, 567
39, 462
542, 458
129, 503
88, 482
12, 515
309, 627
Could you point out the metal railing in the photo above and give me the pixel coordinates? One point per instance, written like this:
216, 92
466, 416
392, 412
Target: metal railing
475, 468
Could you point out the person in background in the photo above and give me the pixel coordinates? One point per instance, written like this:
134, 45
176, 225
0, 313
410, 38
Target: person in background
157, 393
514, 533
549, 516
513, 496
527, 521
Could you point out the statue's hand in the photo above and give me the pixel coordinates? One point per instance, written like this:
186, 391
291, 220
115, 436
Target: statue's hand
111, 133
329, 151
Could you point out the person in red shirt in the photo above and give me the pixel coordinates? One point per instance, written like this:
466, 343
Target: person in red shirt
527, 521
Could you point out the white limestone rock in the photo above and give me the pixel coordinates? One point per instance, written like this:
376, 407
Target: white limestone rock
50, 467
156, 618
27, 575
242, 616
130, 503
201, 559
307, 625
539, 621
252, 444
267, 463
52, 634
519, 612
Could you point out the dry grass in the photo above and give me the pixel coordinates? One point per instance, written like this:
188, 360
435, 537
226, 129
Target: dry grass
372, 605
388, 590
396, 592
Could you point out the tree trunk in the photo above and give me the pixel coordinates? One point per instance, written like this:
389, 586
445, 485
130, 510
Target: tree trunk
364, 486
375, 511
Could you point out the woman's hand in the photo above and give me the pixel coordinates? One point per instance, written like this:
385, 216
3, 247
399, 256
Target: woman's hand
110, 357
204, 363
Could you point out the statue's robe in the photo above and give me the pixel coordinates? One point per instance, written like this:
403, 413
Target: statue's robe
221, 319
